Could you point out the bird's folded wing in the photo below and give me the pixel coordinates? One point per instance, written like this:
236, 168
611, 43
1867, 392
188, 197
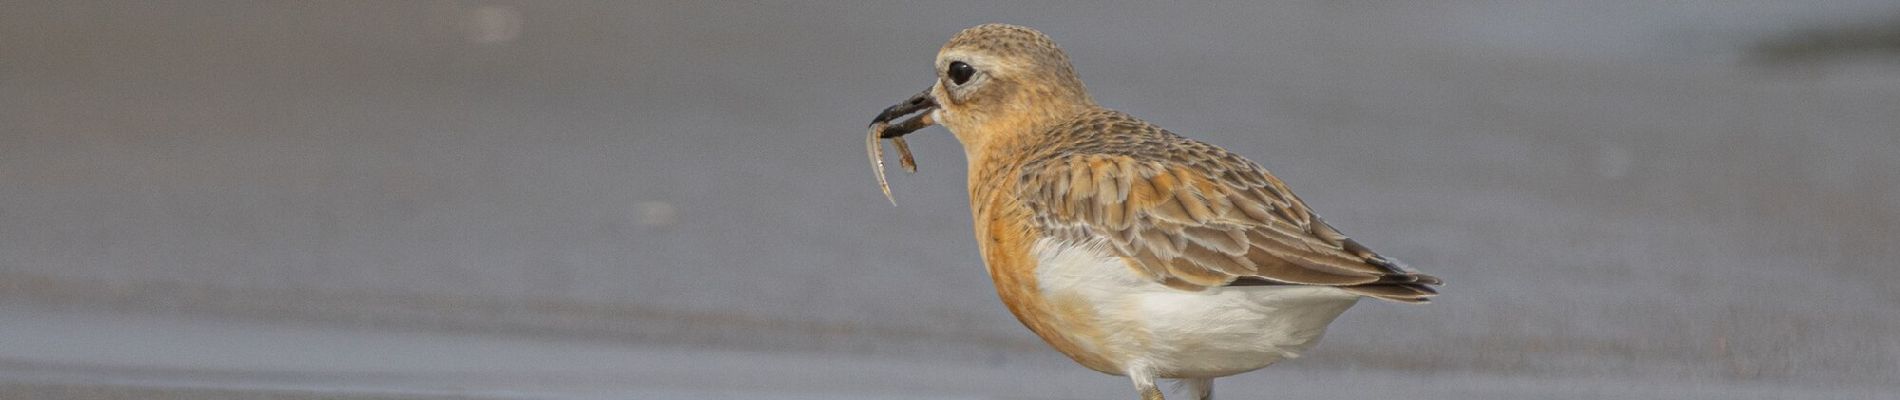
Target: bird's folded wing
1200, 217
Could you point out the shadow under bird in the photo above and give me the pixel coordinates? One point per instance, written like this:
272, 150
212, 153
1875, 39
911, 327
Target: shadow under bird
1128, 248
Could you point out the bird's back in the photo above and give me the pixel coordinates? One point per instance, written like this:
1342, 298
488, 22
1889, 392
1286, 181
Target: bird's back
1191, 214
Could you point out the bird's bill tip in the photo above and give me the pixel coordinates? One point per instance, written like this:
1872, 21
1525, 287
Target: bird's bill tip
922, 103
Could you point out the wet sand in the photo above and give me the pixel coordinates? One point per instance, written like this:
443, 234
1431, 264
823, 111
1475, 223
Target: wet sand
102, 355
1627, 200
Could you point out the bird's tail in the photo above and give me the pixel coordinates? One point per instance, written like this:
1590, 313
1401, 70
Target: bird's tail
1410, 287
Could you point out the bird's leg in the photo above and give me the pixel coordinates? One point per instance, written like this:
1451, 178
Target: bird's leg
1199, 388
1151, 393
1144, 379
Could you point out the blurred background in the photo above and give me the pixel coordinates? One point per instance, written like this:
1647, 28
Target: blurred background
492, 199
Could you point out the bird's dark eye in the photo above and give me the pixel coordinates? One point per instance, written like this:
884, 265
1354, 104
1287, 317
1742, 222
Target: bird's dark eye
960, 72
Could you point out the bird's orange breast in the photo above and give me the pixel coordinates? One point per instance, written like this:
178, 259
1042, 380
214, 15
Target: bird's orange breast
1007, 238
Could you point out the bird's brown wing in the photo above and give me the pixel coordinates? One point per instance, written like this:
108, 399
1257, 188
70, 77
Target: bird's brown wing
1193, 216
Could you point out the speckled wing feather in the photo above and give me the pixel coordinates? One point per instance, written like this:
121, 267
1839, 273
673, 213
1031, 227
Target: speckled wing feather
1191, 215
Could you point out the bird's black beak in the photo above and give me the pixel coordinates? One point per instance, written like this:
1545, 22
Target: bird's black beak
922, 104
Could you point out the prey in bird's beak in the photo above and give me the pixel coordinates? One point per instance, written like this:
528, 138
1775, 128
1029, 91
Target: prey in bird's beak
923, 104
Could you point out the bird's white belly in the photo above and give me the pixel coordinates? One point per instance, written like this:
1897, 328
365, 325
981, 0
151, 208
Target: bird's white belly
1181, 334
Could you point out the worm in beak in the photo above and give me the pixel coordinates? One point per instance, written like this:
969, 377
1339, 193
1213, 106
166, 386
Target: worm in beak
881, 128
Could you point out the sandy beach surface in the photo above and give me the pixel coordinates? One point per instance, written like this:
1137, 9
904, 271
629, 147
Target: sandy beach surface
580, 200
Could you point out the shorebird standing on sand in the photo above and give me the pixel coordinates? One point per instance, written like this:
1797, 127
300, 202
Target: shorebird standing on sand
1129, 248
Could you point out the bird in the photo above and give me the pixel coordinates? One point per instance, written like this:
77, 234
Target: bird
1130, 249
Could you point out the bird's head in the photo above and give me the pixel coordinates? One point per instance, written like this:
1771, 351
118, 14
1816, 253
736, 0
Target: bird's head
994, 79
